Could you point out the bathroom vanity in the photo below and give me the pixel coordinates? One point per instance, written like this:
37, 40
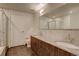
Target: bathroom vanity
45, 48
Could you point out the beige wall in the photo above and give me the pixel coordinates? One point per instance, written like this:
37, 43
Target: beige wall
20, 27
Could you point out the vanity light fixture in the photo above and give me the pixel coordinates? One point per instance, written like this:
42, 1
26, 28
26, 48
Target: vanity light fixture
41, 12
40, 8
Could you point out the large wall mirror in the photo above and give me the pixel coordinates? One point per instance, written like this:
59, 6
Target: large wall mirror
61, 18
49, 23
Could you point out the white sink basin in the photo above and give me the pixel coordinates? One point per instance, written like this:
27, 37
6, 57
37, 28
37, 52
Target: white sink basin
67, 45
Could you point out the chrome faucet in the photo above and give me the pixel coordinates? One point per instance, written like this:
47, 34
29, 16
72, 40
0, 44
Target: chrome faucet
70, 39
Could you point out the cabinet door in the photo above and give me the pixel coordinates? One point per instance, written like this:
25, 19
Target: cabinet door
64, 53
37, 46
42, 48
33, 44
51, 50
46, 49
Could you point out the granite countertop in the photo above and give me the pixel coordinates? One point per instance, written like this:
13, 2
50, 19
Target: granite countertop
71, 50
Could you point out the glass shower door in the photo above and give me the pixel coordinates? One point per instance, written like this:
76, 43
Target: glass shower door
3, 29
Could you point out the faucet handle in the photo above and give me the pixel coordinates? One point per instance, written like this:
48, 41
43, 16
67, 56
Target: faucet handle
71, 40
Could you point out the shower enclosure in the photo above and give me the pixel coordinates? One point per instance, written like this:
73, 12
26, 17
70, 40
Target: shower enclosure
3, 29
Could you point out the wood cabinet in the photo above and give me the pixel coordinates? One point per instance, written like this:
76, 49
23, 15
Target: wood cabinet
42, 48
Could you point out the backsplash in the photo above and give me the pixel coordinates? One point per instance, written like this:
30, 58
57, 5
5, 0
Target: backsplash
71, 36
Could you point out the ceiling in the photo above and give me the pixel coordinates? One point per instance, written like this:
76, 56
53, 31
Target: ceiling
19, 6
62, 10
48, 9
32, 7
